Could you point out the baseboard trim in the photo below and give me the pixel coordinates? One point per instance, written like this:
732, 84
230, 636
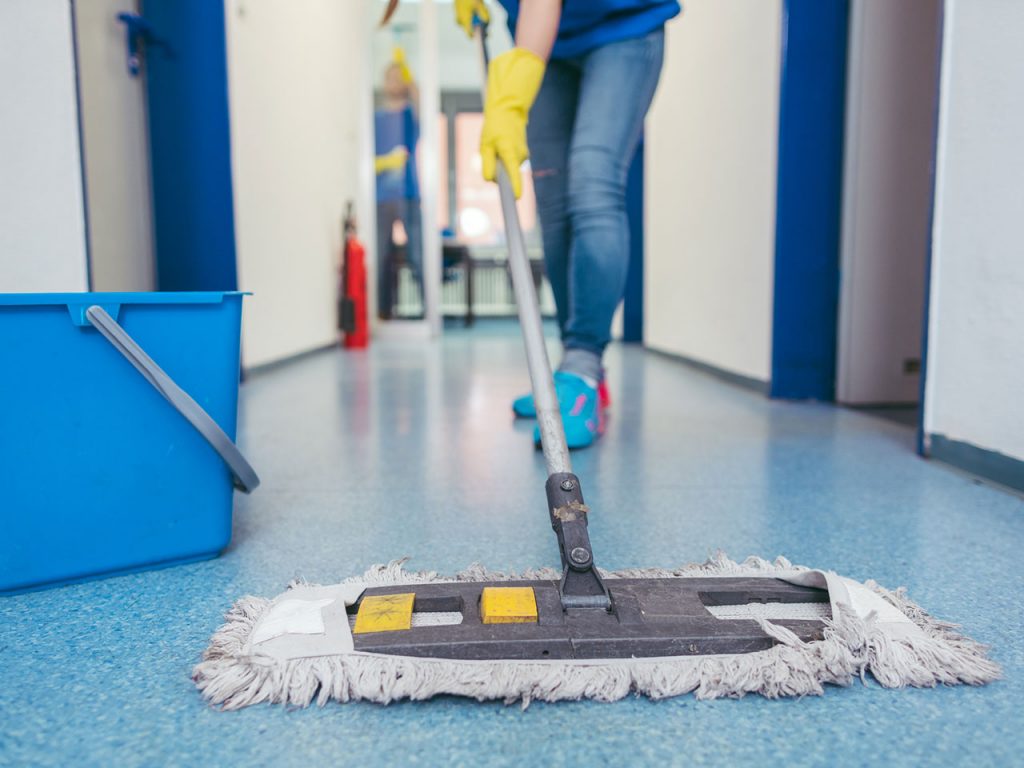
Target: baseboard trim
991, 465
257, 370
730, 377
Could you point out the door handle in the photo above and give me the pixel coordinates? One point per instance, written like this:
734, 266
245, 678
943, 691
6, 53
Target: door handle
139, 36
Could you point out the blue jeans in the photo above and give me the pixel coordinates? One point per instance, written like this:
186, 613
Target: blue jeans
583, 132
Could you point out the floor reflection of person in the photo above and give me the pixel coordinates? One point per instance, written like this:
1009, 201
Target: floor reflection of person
396, 131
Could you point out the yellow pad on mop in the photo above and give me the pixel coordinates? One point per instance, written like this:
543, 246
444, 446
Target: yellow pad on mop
385, 613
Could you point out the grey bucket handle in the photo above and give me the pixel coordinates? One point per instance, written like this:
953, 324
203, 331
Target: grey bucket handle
244, 476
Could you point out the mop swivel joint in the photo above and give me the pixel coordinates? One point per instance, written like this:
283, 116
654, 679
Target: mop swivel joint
581, 585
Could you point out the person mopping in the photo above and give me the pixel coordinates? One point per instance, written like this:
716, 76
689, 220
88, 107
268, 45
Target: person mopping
396, 132
572, 96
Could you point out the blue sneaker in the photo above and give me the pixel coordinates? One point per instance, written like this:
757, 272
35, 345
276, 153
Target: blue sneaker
524, 408
582, 414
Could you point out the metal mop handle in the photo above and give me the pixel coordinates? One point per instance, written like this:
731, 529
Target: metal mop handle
549, 419
581, 585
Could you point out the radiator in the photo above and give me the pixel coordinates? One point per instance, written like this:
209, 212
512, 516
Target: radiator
492, 293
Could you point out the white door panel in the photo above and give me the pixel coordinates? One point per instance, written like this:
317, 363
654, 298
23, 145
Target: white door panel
891, 103
42, 240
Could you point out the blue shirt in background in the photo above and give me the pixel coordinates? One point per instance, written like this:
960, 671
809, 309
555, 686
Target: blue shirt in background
590, 24
397, 128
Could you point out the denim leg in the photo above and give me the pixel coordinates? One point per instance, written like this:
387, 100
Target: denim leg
548, 134
618, 83
387, 212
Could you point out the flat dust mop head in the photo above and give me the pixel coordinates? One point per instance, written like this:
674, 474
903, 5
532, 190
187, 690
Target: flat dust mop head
299, 647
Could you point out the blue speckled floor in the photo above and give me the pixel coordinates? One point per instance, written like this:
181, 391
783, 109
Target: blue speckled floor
409, 449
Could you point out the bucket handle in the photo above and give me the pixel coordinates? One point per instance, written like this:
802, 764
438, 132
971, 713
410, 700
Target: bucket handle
244, 476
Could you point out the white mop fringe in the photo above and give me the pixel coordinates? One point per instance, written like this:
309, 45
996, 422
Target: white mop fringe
852, 648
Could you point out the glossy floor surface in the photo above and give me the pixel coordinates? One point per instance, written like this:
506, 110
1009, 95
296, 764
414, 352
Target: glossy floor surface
409, 449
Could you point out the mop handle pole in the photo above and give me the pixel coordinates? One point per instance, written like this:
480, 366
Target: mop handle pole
549, 418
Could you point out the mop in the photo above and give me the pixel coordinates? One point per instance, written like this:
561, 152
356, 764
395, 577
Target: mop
715, 629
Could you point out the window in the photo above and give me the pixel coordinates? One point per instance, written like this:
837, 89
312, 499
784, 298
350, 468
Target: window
477, 206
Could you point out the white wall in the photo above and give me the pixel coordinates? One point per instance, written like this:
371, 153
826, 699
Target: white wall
712, 138
296, 80
975, 378
892, 90
42, 224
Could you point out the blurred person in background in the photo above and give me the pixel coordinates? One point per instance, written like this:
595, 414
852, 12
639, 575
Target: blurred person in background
396, 131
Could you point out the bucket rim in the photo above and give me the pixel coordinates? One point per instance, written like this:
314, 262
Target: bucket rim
119, 297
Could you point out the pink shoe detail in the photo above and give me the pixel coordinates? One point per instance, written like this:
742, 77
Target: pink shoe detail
579, 405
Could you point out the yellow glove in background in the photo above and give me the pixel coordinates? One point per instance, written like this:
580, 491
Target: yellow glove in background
398, 57
394, 160
465, 10
513, 80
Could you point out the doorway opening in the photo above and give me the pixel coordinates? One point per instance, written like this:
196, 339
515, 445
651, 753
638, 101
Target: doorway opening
892, 103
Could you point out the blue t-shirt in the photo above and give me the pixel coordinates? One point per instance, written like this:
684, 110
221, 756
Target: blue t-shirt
590, 24
397, 128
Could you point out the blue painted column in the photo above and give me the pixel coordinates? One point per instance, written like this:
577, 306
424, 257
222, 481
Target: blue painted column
809, 202
633, 300
190, 146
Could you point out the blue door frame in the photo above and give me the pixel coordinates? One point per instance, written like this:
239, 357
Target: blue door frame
190, 145
633, 300
809, 199
921, 436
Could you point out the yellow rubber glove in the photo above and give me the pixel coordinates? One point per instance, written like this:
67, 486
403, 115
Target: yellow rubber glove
394, 160
513, 80
398, 57
466, 9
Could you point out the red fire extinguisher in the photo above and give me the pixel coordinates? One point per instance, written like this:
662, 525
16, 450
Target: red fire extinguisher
352, 319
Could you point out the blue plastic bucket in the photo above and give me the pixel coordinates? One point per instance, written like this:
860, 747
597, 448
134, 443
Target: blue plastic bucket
111, 459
